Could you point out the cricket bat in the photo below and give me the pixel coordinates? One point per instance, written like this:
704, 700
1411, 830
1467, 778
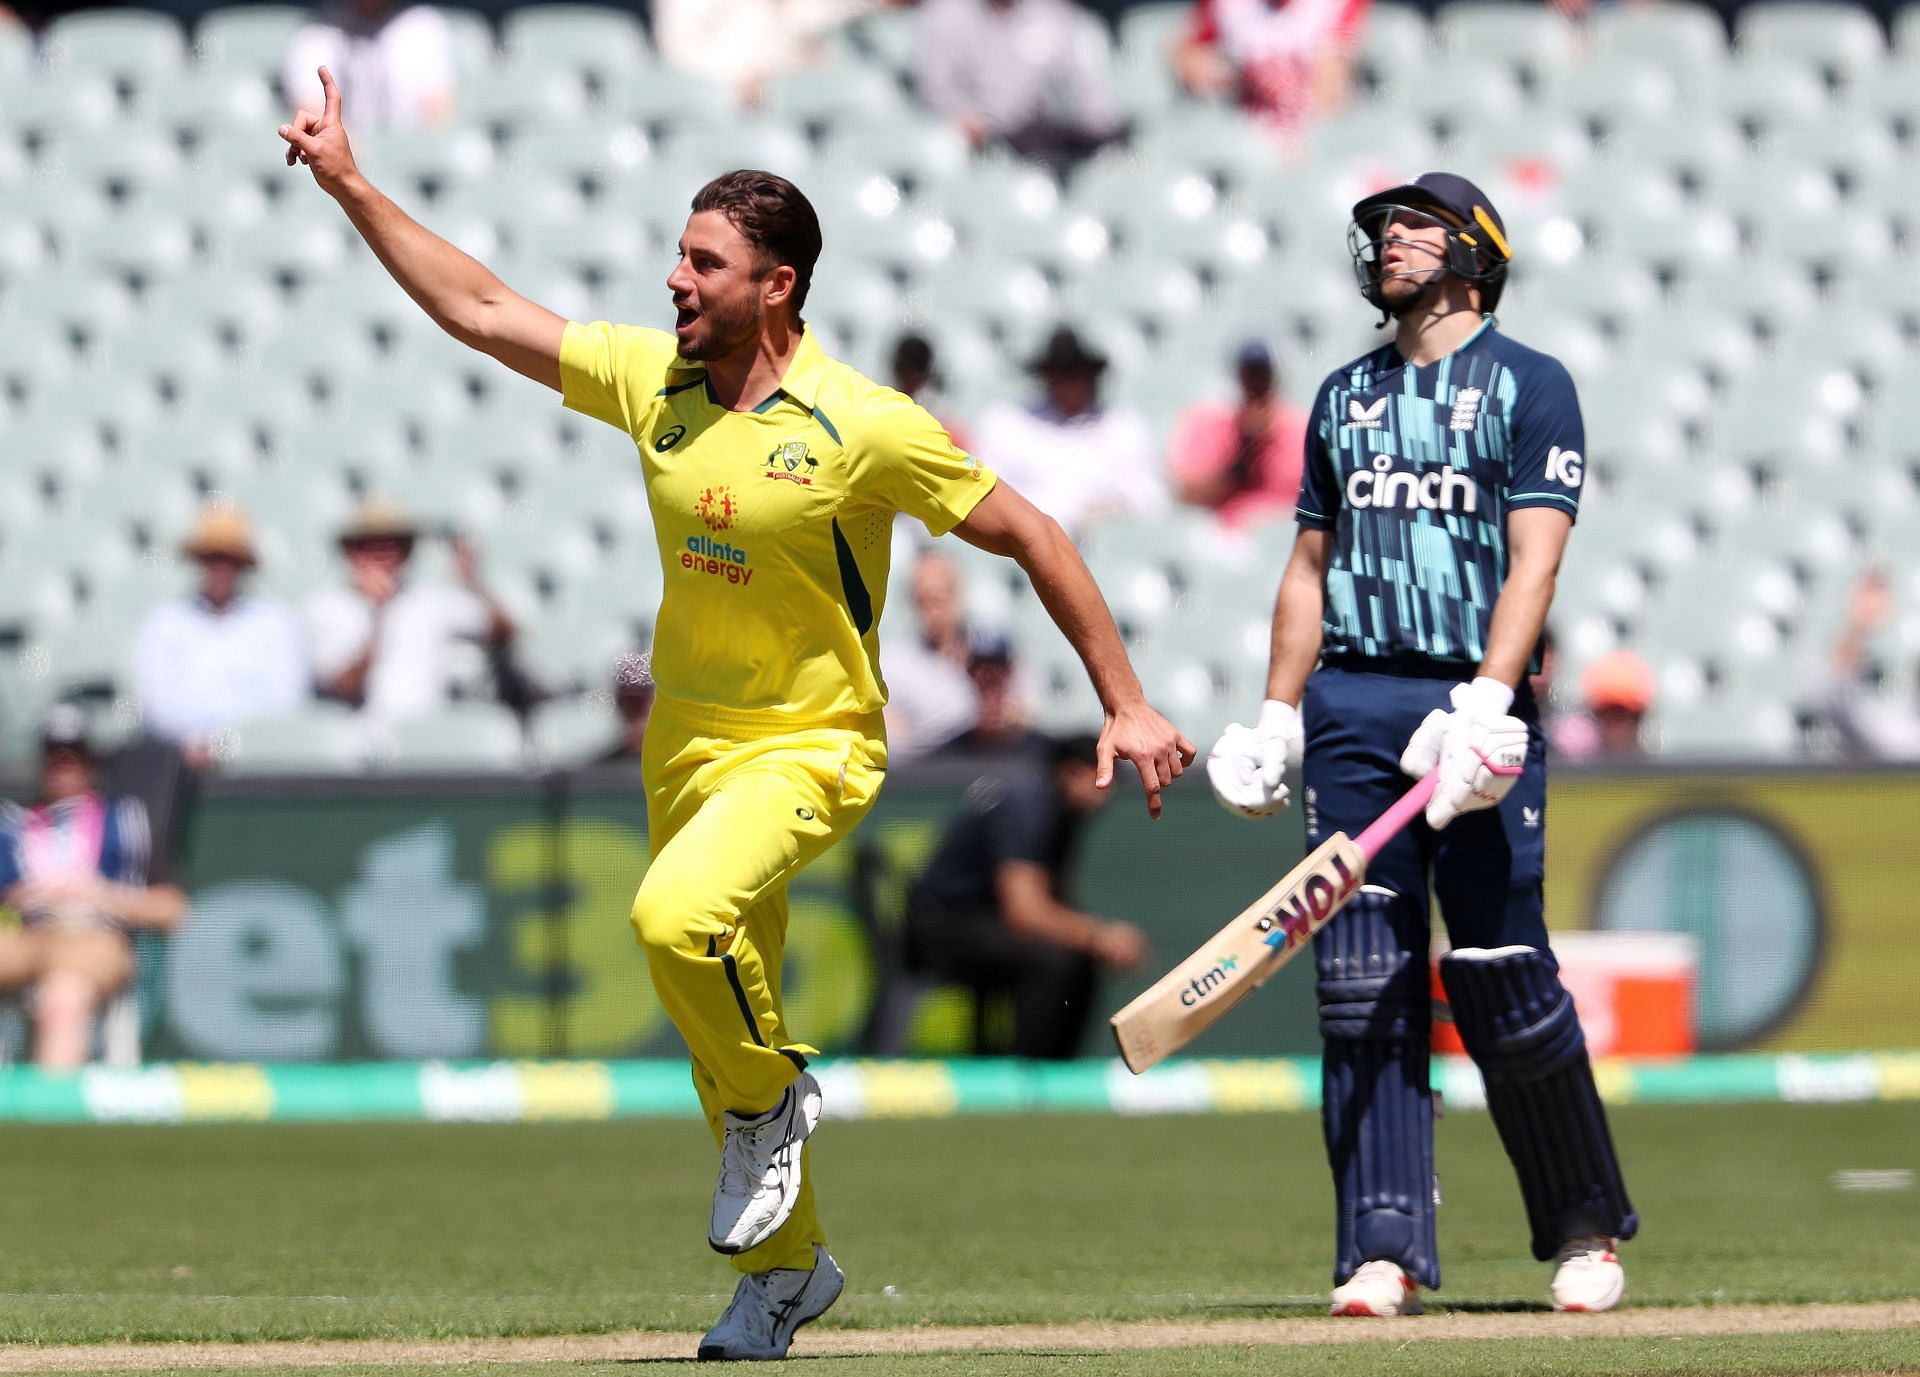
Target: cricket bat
1239, 959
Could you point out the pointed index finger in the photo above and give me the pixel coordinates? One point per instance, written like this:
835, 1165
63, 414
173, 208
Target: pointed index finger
332, 112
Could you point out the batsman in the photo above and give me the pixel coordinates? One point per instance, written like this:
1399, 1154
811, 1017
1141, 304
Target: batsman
1442, 480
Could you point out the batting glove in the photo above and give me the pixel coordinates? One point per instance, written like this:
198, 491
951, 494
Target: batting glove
1478, 749
1248, 765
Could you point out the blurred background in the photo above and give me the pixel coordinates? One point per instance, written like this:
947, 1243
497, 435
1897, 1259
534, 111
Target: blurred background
363, 619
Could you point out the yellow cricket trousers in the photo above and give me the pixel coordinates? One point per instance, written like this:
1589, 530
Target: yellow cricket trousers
735, 808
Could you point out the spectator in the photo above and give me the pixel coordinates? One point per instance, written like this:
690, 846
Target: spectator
742, 44
930, 697
219, 657
1868, 727
395, 65
1617, 689
1078, 461
75, 870
1000, 725
384, 644
1283, 60
993, 907
913, 374
1035, 75
1243, 460
633, 700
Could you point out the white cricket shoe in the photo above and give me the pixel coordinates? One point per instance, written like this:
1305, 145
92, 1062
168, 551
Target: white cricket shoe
1380, 1288
1587, 1275
768, 1306
760, 1169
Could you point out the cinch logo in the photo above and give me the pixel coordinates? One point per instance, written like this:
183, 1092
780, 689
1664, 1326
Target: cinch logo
1365, 417
706, 555
1565, 466
1438, 490
1311, 905
1203, 985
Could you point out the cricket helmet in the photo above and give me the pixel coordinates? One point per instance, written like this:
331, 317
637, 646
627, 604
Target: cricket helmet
1477, 250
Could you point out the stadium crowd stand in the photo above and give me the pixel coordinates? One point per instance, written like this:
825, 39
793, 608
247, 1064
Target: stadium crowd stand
1719, 239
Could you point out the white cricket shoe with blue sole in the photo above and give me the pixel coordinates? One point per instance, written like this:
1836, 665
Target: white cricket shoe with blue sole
1587, 1275
1379, 1289
768, 1307
760, 1169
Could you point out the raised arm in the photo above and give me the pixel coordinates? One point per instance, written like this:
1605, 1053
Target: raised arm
1005, 523
458, 292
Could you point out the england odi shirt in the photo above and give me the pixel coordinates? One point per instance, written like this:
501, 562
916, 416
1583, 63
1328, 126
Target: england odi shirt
1414, 470
774, 524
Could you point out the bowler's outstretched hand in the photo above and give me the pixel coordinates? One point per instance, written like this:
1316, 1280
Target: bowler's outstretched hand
1155, 746
320, 141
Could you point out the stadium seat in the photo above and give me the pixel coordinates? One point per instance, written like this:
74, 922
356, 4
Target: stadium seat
829, 97
1605, 94
1841, 41
208, 98
1395, 50
1764, 93
594, 43
475, 54
137, 47
543, 98
575, 731
69, 101
1531, 41
664, 96
914, 152
458, 738
247, 38
323, 738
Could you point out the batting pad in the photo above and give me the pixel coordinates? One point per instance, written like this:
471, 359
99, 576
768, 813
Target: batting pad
1376, 1107
1519, 1026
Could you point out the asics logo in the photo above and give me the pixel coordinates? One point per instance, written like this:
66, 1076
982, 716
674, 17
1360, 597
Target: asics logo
1366, 417
1437, 490
669, 439
1565, 466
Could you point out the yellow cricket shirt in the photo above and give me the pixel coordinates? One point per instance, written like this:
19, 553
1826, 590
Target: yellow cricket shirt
775, 525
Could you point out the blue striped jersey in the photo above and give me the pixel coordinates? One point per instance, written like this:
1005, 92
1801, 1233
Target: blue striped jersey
1414, 470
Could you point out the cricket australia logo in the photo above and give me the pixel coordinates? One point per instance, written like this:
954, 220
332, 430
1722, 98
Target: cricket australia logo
1203, 985
786, 460
1365, 417
1466, 408
717, 507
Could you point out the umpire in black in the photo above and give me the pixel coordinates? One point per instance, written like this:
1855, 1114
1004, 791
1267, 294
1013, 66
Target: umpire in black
992, 909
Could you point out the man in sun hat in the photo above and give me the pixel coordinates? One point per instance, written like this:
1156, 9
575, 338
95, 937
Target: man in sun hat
1079, 459
385, 642
219, 655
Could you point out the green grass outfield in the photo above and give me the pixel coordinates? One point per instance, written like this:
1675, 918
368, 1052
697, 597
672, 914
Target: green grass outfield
312, 1231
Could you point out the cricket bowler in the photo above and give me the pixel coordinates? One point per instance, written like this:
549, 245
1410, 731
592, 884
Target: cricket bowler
1442, 478
773, 473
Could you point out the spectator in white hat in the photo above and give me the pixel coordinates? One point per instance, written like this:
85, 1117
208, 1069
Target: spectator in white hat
385, 643
220, 655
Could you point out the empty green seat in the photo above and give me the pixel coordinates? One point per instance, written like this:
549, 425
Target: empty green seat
592, 41
1534, 40
247, 38
459, 738
135, 46
1837, 39
322, 738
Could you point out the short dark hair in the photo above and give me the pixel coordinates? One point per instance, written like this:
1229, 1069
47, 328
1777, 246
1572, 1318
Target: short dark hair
772, 215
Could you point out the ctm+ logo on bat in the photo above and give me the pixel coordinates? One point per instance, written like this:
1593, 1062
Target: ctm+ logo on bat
1203, 985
